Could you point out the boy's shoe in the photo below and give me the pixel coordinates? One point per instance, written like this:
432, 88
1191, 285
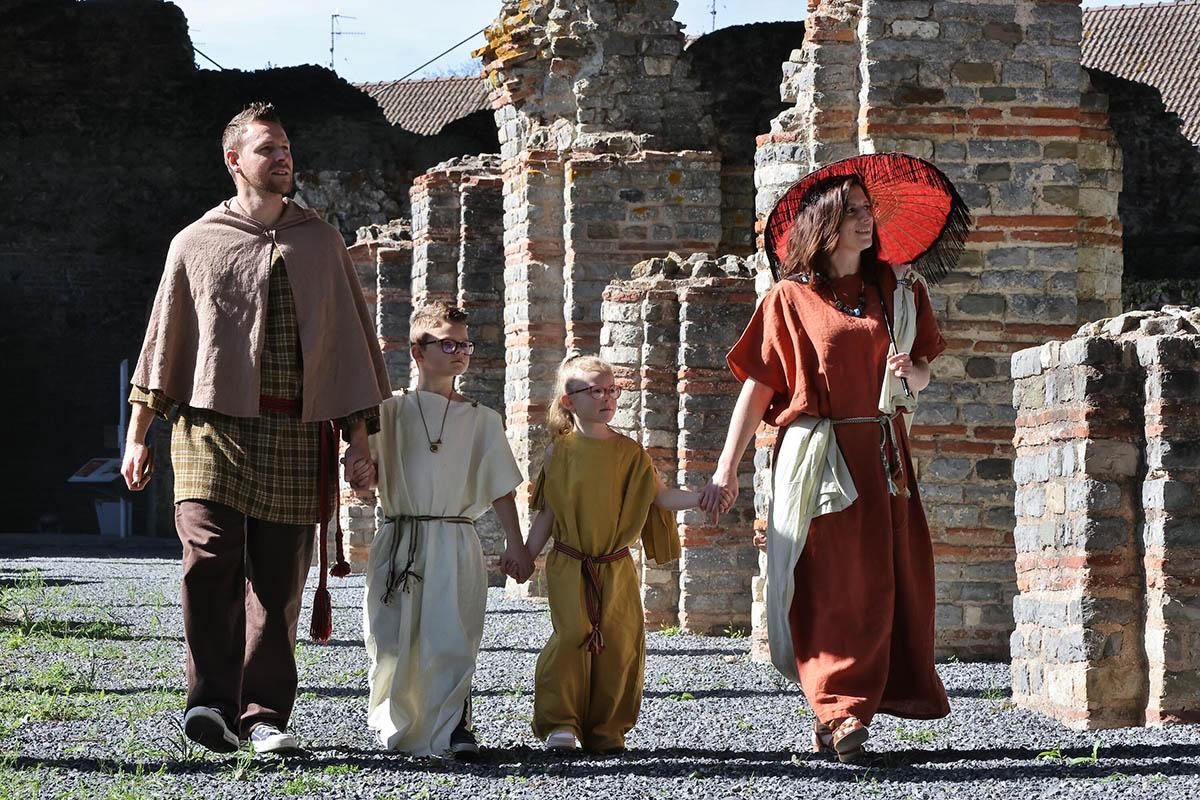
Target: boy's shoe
206, 727
562, 739
463, 744
266, 738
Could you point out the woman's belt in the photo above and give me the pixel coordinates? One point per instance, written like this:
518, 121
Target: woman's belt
594, 641
889, 450
404, 579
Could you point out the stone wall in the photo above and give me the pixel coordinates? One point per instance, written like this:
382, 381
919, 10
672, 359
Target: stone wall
738, 67
994, 94
109, 145
1107, 472
588, 94
666, 332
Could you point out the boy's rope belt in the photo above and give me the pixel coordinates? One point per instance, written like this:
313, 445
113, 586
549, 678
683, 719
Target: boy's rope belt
591, 589
889, 451
404, 579
322, 618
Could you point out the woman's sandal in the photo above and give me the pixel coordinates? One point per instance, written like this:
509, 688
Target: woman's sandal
847, 741
822, 739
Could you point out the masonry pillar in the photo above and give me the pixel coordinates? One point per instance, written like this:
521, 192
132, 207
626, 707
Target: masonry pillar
666, 331
1108, 455
994, 95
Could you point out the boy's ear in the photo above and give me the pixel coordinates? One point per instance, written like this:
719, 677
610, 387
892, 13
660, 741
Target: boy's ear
414, 350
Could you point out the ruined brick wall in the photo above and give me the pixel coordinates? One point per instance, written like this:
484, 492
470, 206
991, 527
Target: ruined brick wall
109, 145
666, 331
994, 94
738, 68
1160, 195
605, 85
1107, 472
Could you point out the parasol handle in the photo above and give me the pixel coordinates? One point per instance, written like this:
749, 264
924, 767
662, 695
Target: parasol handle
887, 322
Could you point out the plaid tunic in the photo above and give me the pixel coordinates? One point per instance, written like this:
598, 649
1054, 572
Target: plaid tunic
266, 467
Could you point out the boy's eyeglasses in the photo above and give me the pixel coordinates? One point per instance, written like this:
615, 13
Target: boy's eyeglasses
451, 346
600, 392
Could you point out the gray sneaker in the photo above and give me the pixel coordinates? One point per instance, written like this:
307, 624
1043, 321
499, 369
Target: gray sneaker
266, 738
206, 727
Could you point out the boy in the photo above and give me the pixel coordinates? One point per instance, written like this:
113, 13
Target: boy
442, 460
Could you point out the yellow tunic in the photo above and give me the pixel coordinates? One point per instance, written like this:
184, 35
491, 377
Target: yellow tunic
602, 493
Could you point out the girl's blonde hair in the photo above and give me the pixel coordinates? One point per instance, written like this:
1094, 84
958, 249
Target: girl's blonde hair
559, 418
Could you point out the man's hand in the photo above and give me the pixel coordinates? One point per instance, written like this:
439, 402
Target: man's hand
360, 469
136, 466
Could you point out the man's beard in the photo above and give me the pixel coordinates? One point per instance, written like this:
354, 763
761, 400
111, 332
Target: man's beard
275, 184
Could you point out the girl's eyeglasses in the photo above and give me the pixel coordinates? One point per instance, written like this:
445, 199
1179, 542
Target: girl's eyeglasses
600, 392
451, 346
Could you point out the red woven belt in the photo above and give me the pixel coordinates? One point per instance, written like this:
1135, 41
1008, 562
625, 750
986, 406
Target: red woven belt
591, 589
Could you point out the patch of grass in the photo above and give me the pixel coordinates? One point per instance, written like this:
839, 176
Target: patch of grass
994, 693
919, 735
304, 784
662, 680
339, 770
1056, 754
743, 725
244, 768
671, 630
1113, 777
734, 633
681, 697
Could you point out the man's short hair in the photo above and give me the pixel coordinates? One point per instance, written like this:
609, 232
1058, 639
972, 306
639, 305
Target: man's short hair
430, 315
231, 139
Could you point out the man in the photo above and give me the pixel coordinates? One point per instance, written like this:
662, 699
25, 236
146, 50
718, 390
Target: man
259, 339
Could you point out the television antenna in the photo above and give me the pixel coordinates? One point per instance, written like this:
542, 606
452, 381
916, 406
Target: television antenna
334, 32
712, 9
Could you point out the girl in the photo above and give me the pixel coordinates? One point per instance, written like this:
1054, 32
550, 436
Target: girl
597, 494
854, 621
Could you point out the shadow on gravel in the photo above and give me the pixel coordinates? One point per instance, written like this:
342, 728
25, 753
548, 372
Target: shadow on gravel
906, 766
13, 583
502, 611
697, 651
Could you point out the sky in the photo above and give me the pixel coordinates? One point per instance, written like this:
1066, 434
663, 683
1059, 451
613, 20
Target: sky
389, 38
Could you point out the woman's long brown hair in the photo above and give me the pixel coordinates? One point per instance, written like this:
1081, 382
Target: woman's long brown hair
814, 235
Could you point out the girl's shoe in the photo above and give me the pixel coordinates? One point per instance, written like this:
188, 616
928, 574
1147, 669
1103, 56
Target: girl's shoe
562, 739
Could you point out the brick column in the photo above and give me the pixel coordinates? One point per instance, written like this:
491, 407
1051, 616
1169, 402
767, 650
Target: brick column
1171, 530
357, 514
534, 330
435, 227
394, 261
1108, 457
481, 285
666, 331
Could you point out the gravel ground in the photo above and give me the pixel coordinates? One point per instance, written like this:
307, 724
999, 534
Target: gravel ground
92, 711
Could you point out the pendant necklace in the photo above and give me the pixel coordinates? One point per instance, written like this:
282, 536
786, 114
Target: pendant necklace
433, 445
854, 311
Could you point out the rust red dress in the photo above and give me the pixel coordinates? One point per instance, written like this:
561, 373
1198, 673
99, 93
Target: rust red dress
862, 620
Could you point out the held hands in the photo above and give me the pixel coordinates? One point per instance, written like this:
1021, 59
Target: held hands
516, 563
360, 470
719, 495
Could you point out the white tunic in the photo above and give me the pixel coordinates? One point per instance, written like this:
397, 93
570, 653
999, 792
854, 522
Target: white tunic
424, 641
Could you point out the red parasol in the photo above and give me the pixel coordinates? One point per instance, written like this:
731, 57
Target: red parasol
919, 216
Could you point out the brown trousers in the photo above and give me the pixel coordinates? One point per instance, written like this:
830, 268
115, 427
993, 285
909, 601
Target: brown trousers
243, 579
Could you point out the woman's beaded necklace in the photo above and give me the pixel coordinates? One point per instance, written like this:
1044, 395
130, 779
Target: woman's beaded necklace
859, 310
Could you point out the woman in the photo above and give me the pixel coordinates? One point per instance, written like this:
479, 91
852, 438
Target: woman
858, 632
